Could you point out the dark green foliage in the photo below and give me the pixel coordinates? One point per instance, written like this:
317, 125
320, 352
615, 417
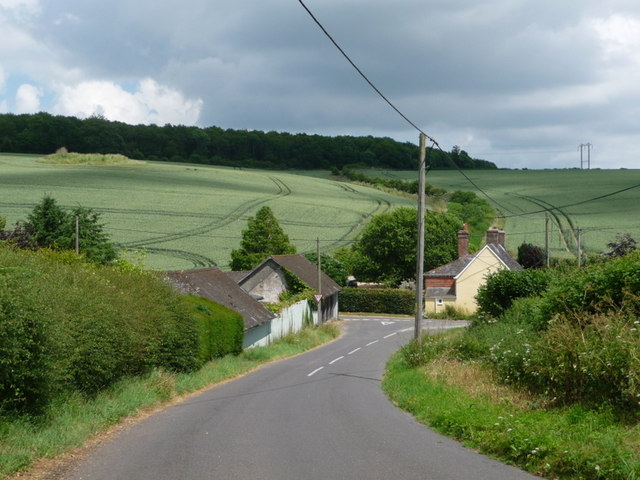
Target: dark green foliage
503, 287
262, 237
23, 361
389, 244
331, 266
621, 246
220, 330
531, 256
66, 325
386, 300
476, 212
601, 288
49, 226
44, 133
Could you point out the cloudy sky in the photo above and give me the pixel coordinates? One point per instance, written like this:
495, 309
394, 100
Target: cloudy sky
521, 83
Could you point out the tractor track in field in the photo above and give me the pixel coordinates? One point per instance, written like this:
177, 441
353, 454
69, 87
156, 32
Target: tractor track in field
283, 190
567, 234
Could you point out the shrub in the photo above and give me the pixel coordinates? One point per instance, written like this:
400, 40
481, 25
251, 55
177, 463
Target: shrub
383, 300
594, 362
220, 329
600, 288
504, 286
66, 325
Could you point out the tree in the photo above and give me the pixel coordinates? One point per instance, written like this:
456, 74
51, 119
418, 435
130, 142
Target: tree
49, 226
262, 237
621, 246
531, 256
389, 242
333, 267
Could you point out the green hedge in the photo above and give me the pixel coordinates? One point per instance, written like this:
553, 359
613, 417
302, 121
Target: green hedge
384, 300
66, 325
220, 330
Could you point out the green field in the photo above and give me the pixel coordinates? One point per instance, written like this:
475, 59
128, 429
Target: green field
570, 195
188, 216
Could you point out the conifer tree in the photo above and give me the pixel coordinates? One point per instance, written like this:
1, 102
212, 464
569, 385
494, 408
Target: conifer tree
262, 237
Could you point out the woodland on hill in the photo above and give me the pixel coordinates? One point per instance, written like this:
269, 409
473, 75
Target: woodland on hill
43, 133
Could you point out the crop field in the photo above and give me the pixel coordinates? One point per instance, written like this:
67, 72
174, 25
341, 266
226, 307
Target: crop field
186, 216
601, 203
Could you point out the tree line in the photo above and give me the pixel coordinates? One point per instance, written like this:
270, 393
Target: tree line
43, 133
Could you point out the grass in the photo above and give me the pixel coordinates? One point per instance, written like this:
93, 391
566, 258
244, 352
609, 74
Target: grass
73, 420
188, 216
522, 191
463, 400
88, 159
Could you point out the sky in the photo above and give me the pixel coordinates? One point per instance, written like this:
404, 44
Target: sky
521, 83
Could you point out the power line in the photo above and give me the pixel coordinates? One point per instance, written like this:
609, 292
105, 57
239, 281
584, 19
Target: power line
396, 109
600, 197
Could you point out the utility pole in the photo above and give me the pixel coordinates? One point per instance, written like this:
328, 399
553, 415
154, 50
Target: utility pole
77, 235
588, 147
546, 239
420, 260
579, 240
319, 281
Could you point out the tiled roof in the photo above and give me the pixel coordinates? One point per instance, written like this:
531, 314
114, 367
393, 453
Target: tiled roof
456, 267
307, 272
216, 285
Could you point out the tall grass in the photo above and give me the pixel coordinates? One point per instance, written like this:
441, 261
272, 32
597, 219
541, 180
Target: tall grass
465, 401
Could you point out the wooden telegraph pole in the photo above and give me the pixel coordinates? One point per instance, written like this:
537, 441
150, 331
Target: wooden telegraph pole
420, 260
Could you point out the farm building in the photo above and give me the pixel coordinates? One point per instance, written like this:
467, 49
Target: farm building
269, 280
456, 283
217, 286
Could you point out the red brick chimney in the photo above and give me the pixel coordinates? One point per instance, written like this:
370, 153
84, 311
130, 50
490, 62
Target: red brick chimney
493, 236
463, 242
501, 236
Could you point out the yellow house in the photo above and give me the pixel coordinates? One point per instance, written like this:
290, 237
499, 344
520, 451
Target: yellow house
457, 282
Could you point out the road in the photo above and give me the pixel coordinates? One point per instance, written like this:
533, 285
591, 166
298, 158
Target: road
321, 415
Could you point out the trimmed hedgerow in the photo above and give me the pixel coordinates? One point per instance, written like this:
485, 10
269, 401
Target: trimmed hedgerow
66, 325
220, 330
384, 300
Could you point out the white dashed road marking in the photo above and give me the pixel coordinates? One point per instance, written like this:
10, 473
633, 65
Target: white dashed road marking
390, 335
354, 351
315, 371
371, 343
335, 360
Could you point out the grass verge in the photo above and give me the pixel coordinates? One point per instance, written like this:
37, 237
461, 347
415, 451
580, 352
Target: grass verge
72, 420
462, 400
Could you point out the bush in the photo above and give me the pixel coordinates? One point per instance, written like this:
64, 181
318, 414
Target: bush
66, 326
600, 288
596, 362
220, 330
504, 286
384, 300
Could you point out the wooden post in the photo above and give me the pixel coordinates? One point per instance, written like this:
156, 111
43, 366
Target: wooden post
420, 255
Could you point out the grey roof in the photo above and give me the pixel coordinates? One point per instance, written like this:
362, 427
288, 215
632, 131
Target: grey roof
457, 266
219, 287
505, 256
238, 275
440, 292
307, 272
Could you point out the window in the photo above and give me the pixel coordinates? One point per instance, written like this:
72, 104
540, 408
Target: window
439, 302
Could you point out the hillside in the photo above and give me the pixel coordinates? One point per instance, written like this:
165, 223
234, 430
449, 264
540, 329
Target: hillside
186, 216
601, 203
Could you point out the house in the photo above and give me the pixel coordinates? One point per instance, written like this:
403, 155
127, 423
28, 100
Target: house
269, 280
457, 282
219, 287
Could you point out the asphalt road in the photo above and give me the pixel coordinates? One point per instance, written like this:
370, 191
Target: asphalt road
321, 415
